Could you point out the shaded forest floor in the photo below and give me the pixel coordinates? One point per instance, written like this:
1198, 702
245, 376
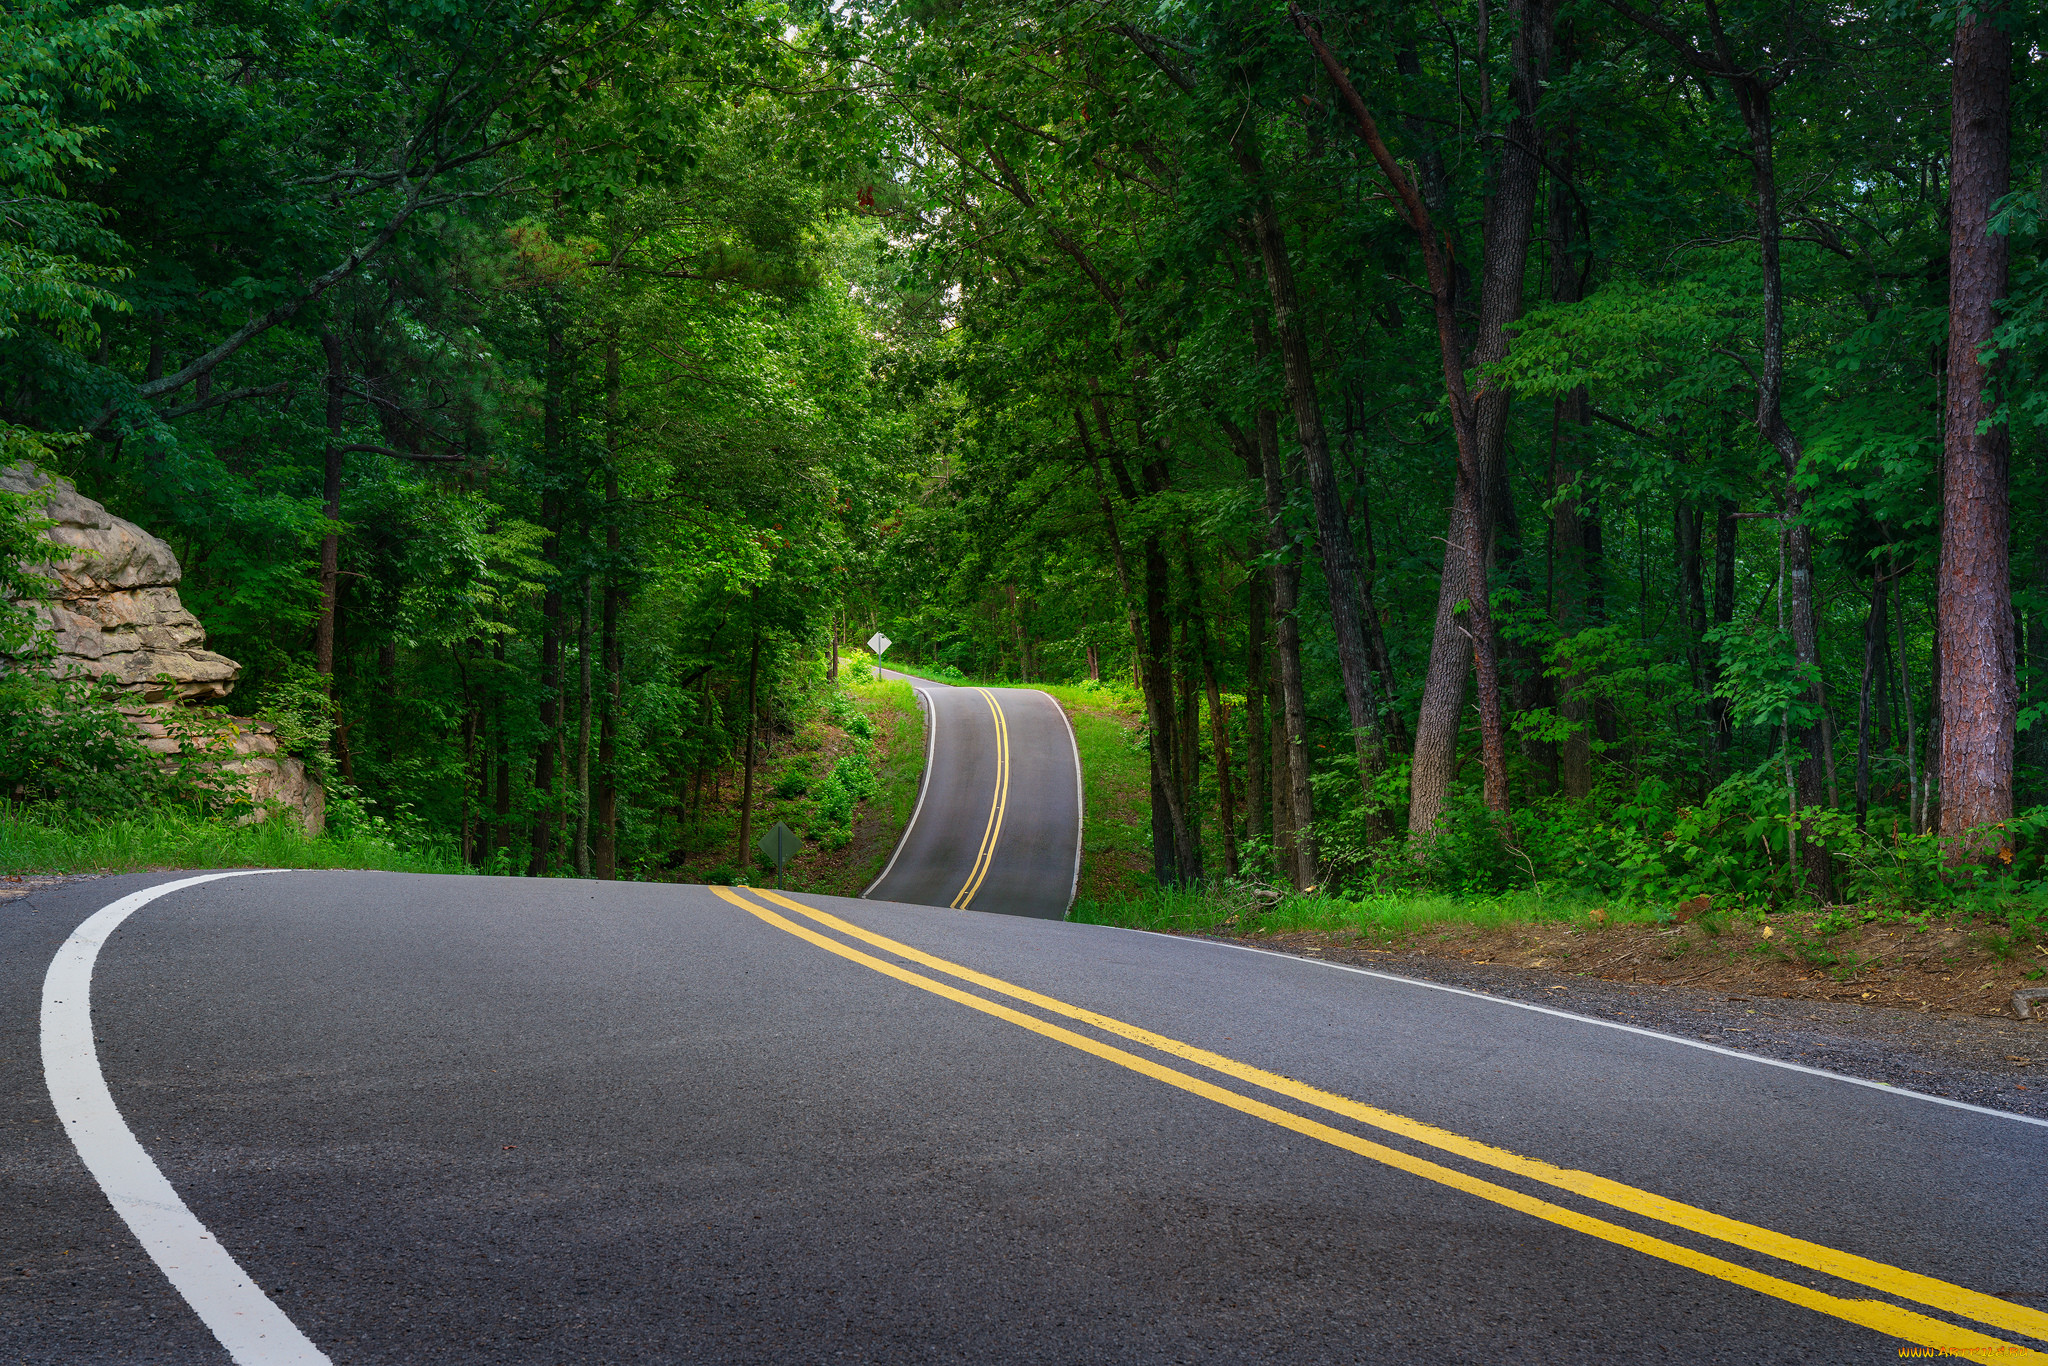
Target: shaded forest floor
789, 770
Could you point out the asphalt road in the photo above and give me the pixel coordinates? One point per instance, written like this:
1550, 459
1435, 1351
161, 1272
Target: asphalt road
998, 820
506, 1120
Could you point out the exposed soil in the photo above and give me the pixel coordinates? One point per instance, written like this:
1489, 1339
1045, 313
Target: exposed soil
1926, 1010
18, 885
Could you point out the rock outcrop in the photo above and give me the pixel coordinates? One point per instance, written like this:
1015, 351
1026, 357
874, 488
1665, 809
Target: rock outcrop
114, 610
113, 603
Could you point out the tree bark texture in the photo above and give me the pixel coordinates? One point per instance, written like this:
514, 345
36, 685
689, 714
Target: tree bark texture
1339, 553
611, 655
1480, 421
1291, 766
1258, 596
546, 756
330, 544
585, 699
1979, 688
744, 858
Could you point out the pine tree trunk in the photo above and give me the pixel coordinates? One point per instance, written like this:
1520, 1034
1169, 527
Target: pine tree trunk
1258, 592
501, 835
1219, 740
1754, 99
547, 754
1575, 548
1151, 646
1478, 420
1873, 651
585, 699
1724, 613
330, 544
1339, 553
1913, 821
744, 859
611, 655
1293, 774
1978, 686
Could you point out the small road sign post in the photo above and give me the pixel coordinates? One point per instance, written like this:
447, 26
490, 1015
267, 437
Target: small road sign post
878, 643
780, 845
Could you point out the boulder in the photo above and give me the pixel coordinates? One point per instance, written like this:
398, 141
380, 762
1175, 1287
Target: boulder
113, 609
113, 605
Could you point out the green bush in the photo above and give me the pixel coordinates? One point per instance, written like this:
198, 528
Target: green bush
847, 715
849, 783
795, 780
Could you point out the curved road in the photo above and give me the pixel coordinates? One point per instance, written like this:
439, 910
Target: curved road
998, 819
371, 1117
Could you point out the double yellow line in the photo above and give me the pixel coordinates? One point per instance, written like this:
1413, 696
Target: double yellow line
1879, 1315
989, 835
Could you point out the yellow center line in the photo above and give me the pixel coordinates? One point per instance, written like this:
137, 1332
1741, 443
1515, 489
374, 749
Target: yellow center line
997, 804
1846, 1266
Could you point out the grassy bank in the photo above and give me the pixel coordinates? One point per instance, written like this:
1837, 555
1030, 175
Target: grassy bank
1240, 909
36, 841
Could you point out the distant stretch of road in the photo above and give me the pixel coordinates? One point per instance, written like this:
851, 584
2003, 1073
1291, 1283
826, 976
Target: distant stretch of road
998, 820
381, 1118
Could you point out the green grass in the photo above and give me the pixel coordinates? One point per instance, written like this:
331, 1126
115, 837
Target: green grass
35, 842
1387, 915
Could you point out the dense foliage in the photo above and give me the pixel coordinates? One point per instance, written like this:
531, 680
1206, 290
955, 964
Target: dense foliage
517, 382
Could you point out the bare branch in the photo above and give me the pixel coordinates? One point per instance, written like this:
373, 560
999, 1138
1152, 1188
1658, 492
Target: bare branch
227, 396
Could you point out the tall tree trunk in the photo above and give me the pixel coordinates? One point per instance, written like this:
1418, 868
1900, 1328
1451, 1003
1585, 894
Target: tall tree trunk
1689, 529
1219, 722
1724, 613
1753, 95
1913, 821
1261, 451
1979, 688
1287, 646
744, 859
1258, 594
611, 656
1333, 532
330, 544
1175, 857
1873, 651
1286, 856
501, 835
585, 700
2037, 653
547, 755
1478, 420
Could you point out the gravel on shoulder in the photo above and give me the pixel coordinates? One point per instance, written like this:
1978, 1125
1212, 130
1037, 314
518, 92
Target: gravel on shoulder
1998, 1064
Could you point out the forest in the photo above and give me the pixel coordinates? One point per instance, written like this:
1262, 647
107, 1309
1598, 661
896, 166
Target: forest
1570, 444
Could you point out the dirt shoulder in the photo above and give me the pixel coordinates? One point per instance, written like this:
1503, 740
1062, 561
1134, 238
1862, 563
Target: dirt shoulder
1935, 1028
15, 886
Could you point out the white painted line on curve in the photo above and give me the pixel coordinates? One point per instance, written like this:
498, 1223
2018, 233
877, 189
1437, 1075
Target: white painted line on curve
1884, 1087
254, 1330
1080, 804
924, 784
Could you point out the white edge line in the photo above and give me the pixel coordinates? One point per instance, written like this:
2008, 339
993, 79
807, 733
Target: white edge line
1884, 1087
924, 781
1080, 802
254, 1331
